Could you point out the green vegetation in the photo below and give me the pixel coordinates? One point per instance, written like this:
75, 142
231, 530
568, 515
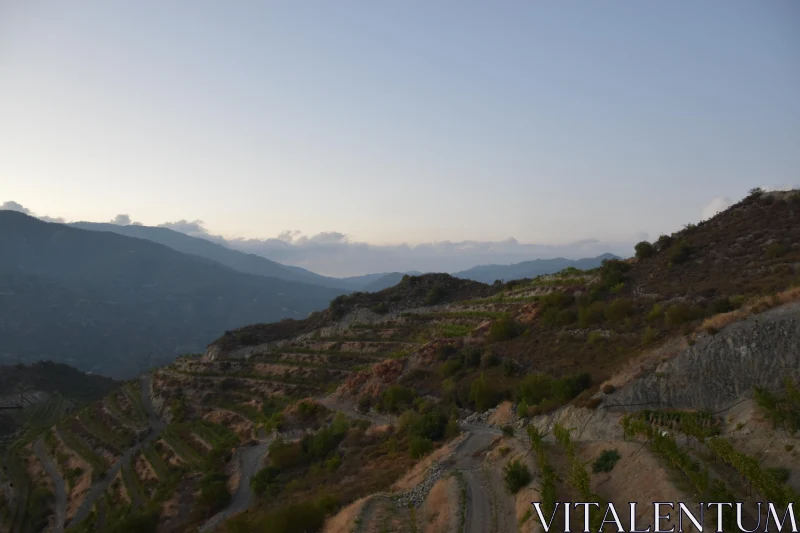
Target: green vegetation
454, 330
606, 461
482, 393
214, 495
679, 252
503, 329
395, 399
782, 410
74, 443
545, 393
516, 476
644, 250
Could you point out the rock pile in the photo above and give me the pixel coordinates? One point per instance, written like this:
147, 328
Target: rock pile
417, 495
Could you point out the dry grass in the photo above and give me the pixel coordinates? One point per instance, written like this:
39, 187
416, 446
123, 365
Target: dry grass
343, 521
439, 506
417, 474
758, 305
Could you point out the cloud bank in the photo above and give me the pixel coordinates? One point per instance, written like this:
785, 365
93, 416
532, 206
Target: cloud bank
334, 253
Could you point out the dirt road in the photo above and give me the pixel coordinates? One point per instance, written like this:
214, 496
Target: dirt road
250, 460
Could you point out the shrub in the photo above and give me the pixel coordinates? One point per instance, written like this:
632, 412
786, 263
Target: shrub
396, 397
522, 408
435, 295
681, 313
608, 388
380, 308
558, 317
606, 461
591, 314
482, 393
612, 272
265, 481
594, 337
679, 252
509, 368
644, 250
516, 476
655, 313
503, 329
214, 494
663, 242
490, 359
649, 335
472, 357
449, 368
721, 305
419, 447
776, 250
619, 309
755, 192
508, 431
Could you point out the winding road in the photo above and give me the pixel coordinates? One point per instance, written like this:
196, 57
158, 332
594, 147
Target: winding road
97, 490
58, 484
250, 459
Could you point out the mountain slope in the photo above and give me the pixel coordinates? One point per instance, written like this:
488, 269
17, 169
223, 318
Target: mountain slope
529, 269
243, 262
436, 380
119, 305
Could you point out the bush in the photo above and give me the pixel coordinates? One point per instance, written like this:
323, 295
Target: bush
419, 447
559, 317
594, 313
663, 242
776, 250
396, 398
509, 368
608, 388
472, 357
435, 295
655, 313
612, 272
721, 305
380, 308
679, 252
522, 409
489, 360
265, 481
650, 334
619, 309
214, 494
606, 461
538, 389
644, 250
508, 431
449, 368
516, 476
681, 313
482, 393
503, 329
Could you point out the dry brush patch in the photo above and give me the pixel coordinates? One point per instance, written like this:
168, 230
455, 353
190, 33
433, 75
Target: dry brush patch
755, 306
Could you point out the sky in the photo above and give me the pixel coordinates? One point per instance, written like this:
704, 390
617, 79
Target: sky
390, 123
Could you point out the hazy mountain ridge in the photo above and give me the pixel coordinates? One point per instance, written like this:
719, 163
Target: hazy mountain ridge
530, 269
240, 261
119, 305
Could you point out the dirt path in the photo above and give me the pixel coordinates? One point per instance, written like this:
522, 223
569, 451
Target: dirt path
58, 483
97, 490
250, 459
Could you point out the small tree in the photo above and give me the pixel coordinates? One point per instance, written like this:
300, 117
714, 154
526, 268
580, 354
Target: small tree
516, 476
482, 393
644, 249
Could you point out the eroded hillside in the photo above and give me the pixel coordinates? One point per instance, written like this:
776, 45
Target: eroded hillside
449, 405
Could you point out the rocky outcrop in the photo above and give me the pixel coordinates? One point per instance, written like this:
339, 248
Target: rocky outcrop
717, 370
418, 494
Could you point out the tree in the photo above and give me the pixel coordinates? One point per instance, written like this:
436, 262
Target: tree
482, 393
644, 250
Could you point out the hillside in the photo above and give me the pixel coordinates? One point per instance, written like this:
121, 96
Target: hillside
46, 391
240, 261
118, 305
530, 269
445, 404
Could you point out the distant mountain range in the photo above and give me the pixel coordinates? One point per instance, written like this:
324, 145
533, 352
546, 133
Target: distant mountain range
118, 305
529, 269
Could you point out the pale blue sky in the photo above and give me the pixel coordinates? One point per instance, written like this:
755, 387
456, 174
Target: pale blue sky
406, 121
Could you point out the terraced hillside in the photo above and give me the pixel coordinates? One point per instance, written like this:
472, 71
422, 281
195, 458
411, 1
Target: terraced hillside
448, 405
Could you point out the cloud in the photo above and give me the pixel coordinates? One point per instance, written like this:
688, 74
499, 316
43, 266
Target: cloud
194, 228
720, 203
335, 254
14, 206
121, 220
11, 205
